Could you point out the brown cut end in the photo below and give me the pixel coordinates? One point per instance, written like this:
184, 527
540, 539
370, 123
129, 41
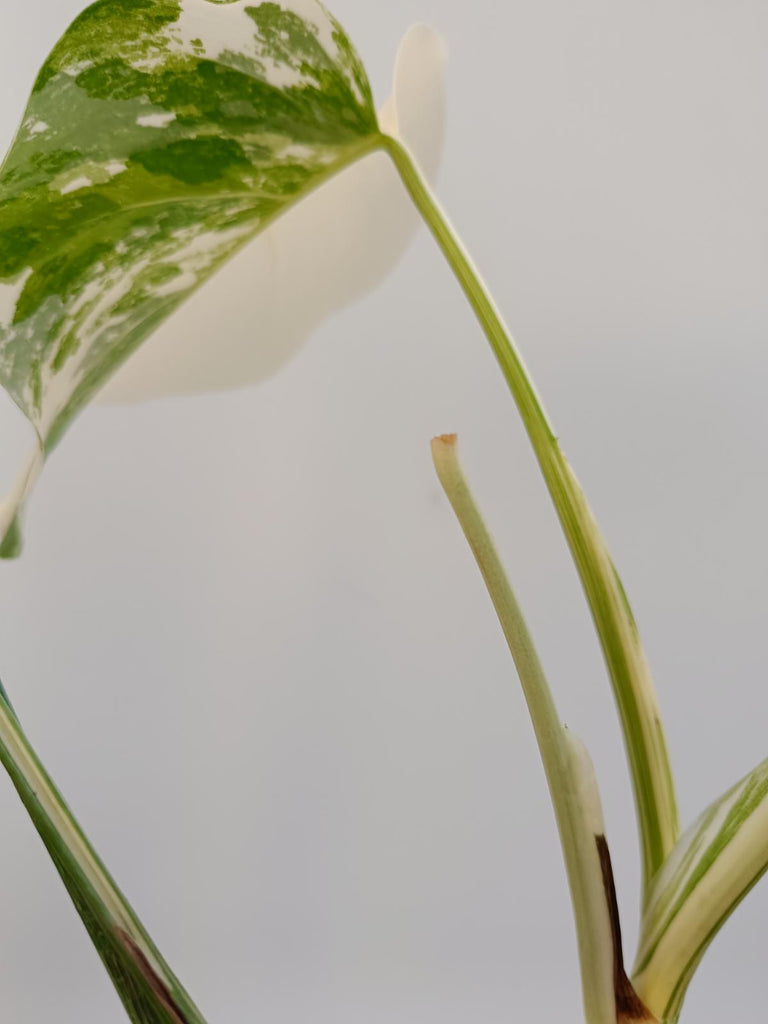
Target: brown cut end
448, 439
630, 1009
156, 983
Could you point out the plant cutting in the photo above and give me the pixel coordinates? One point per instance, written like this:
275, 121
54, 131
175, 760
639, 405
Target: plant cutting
161, 138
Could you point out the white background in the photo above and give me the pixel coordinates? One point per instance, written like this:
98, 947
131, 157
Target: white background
246, 636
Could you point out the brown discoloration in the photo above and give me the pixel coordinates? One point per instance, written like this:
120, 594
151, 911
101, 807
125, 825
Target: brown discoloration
629, 1006
448, 439
157, 985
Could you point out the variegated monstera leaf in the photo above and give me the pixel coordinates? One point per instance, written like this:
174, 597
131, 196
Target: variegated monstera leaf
160, 138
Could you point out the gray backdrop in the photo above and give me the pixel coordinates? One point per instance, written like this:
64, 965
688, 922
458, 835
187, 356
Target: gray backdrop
248, 639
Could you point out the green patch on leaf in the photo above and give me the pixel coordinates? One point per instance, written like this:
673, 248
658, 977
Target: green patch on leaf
195, 161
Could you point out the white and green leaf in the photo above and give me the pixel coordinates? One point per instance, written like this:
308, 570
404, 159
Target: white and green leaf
336, 245
712, 868
148, 988
161, 136
608, 994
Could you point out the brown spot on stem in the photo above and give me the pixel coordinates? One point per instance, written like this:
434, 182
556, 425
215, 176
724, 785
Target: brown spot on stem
629, 1005
156, 983
449, 439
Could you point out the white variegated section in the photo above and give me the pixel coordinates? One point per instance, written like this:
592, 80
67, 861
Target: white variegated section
222, 29
86, 175
75, 184
729, 851
73, 70
587, 789
681, 866
314, 14
160, 120
35, 127
580, 828
218, 28
92, 315
334, 247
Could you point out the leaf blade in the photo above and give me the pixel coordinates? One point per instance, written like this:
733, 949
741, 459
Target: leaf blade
160, 138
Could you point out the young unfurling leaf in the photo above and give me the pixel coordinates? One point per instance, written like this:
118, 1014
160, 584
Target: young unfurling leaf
710, 871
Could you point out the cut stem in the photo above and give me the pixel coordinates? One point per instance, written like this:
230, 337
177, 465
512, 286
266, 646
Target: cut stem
630, 676
571, 781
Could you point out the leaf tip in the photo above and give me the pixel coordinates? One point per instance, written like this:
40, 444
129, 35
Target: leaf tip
12, 541
12, 508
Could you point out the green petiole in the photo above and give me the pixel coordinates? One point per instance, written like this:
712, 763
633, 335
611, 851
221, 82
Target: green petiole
629, 672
